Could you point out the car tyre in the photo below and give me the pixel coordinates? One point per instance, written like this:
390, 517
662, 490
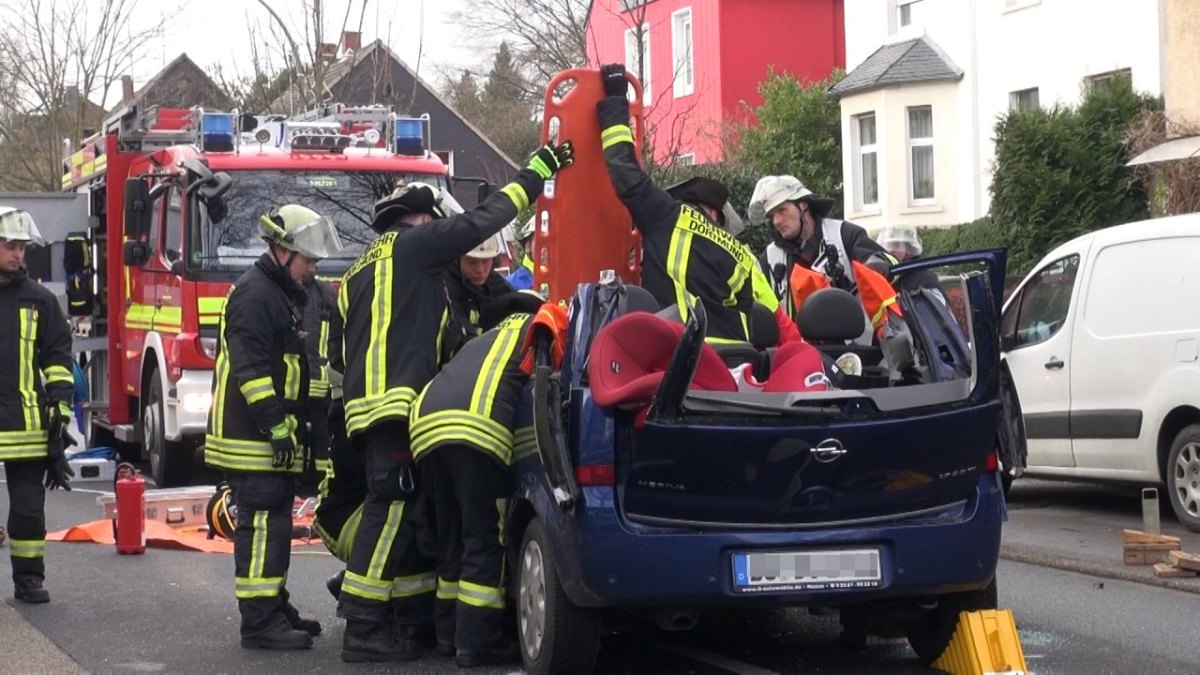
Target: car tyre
555, 635
170, 462
930, 637
1183, 477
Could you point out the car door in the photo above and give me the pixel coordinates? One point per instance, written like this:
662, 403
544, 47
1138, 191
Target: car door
1036, 329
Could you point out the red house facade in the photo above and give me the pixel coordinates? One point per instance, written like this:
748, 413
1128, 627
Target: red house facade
701, 61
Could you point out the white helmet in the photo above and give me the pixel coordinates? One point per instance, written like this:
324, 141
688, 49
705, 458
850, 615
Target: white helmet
894, 237
18, 225
490, 248
771, 191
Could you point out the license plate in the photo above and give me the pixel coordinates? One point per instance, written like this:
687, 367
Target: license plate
806, 571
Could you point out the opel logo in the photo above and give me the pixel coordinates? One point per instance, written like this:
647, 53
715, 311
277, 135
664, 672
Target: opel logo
828, 450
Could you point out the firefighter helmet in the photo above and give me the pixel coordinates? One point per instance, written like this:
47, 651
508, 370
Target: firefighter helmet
416, 197
18, 225
300, 229
490, 248
771, 191
713, 194
221, 512
900, 237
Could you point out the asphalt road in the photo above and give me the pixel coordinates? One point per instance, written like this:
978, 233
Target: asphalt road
174, 612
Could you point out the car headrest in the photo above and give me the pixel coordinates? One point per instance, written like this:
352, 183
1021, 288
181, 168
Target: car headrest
764, 331
831, 314
638, 299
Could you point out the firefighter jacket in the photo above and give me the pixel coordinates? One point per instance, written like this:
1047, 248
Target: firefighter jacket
683, 252
315, 327
394, 307
465, 303
261, 377
340, 498
35, 366
783, 255
474, 400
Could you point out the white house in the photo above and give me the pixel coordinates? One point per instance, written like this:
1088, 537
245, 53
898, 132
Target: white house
927, 80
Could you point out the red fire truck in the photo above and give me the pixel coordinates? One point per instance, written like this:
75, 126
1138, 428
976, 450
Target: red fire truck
174, 201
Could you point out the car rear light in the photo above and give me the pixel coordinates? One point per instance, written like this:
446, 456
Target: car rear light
992, 463
592, 475
208, 347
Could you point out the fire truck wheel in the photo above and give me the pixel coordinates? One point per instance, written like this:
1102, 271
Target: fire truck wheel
930, 637
169, 462
555, 635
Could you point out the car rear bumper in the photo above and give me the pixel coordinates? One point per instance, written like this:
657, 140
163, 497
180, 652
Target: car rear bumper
609, 561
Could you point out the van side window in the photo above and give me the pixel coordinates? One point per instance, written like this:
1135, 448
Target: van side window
1045, 301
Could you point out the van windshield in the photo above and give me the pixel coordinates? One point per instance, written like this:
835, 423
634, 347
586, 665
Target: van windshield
345, 196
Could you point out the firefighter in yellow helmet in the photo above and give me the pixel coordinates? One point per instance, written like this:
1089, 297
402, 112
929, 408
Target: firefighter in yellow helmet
256, 425
35, 402
394, 308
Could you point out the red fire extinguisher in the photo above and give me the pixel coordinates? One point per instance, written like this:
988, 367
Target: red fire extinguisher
129, 527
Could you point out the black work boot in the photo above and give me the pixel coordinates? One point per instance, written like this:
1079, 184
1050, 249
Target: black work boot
310, 626
279, 636
496, 655
31, 592
334, 584
375, 642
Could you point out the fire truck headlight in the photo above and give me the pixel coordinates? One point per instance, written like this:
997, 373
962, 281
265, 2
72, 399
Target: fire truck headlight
209, 347
197, 402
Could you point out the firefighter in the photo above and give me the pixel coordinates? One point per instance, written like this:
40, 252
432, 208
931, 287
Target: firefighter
394, 307
904, 244
688, 232
522, 277
256, 425
803, 231
463, 439
319, 309
473, 282
36, 387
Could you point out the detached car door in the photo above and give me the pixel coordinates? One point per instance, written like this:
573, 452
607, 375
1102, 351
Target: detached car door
1036, 335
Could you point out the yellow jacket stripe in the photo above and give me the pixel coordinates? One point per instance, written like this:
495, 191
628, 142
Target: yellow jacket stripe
489, 380
615, 134
257, 389
477, 595
29, 403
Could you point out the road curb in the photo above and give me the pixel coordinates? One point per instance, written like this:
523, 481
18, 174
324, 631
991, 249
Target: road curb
1138, 575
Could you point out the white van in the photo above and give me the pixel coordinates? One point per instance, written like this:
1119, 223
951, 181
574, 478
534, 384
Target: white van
1102, 340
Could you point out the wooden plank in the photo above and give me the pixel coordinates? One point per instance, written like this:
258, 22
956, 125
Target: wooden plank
1141, 557
1139, 537
1169, 571
1170, 546
1188, 561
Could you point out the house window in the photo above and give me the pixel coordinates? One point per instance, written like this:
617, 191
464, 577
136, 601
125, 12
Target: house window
1110, 79
920, 154
681, 46
637, 60
627, 5
1025, 99
867, 167
686, 160
904, 11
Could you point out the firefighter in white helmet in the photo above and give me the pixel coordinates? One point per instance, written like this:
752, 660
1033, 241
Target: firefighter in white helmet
904, 243
256, 427
35, 402
471, 283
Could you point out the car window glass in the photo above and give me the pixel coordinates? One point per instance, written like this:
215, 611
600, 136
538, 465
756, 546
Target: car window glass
1045, 301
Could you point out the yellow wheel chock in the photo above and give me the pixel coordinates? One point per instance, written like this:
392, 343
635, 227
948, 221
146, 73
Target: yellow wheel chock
984, 643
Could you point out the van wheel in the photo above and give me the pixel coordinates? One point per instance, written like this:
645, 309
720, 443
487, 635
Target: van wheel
1183, 477
555, 635
170, 462
930, 637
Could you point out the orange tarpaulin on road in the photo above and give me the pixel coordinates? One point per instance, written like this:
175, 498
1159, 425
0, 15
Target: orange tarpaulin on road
158, 535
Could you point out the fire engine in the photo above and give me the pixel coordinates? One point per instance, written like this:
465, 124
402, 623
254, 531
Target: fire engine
174, 197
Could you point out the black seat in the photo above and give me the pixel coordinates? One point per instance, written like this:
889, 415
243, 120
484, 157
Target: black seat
830, 319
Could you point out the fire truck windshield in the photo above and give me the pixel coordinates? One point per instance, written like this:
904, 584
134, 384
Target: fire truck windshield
345, 196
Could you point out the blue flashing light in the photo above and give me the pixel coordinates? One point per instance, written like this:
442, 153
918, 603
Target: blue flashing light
410, 137
217, 132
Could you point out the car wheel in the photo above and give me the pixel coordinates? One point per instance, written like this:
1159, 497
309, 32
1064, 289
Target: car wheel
1183, 477
170, 463
930, 637
555, 635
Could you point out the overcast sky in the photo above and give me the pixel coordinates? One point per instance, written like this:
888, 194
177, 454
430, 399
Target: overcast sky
217, 31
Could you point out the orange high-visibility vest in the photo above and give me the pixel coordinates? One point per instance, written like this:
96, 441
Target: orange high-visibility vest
876, 293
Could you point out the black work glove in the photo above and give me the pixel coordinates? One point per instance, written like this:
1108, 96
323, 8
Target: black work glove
58, 471
550, 159
283, 447
613, 77
60, 424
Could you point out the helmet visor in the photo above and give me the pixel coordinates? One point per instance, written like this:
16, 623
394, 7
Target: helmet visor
317, 239
447, 204
19, 226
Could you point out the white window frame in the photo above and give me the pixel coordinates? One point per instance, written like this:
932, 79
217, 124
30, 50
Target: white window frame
915, 143
683, 53
1014, 99
686, 159
1103, 79
900, 7
644, 60
860, 151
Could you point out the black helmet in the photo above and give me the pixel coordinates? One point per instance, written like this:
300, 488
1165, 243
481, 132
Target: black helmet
221, 513
711, 193
412, 198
